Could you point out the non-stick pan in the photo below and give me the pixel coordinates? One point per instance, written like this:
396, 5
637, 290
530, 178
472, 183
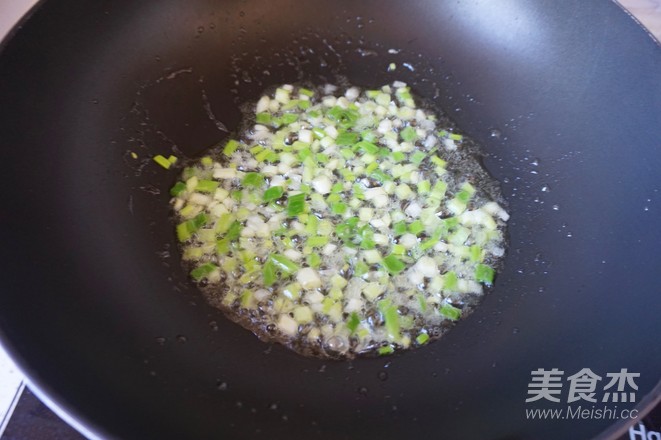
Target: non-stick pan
564, 96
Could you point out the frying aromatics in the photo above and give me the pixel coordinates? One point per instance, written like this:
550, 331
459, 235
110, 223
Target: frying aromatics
341, 224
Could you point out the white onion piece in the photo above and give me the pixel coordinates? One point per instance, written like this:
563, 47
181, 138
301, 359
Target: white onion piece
308, 278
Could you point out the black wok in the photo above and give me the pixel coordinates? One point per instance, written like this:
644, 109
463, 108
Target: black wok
98, 313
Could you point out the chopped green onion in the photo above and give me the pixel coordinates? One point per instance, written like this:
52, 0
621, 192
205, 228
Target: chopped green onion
234, 231
450, 281
416, 227
254, 180
337, 188
380, 176
365, 147
203, 271
450, 312
338, 208
186, 229
317, 241
393, 264
451, 222
371, 167
347, 138
408, 134
318, 218
263, 118
283, 263
177, 189
223, 246
368, 136
366, 235
391, 318
207, 186
388, 349
312, 225
224, 222
354, 322
304, 153
266, 156
384, 152
333, 198
247, 299
418, 157
438, 161
476, 253
360, 269
288, 118
273, 193
424, 187
230, 147
399, 228
314, 260
346, 118
422, 302
433, 240
484, 274
237, 195
463, 196
162, 161
347, 153
269, 274
295, 204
